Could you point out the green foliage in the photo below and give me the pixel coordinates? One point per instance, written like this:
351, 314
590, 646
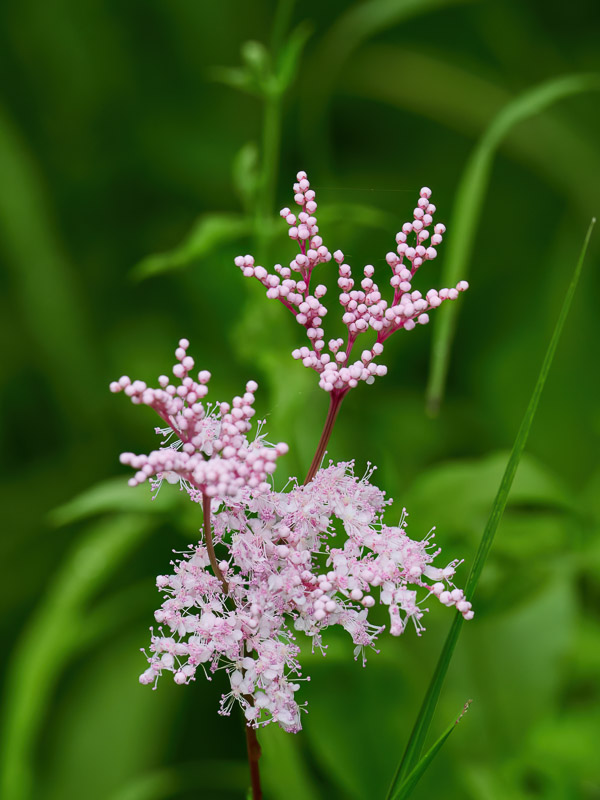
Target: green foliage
52, 637
205, 237
112, 138
409, 783
469, 205
418, 736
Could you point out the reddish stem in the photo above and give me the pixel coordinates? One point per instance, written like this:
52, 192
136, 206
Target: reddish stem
334, 407
209, 542
254, 753
253, 746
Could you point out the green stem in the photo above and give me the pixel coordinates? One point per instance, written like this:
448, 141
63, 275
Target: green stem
271, 146
419, 733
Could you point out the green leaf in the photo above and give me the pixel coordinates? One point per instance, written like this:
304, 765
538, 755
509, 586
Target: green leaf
110, 496
468, 206
235, 77
245, 173
284, 772
366, 216
52, 636
208, 233
289, 60
407, 786
257, 58
48, 295
356, 25
255, 77
423, 722
221, 776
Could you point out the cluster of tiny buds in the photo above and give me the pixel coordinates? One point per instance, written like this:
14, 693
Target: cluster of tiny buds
169, 400
211, 453
454, 597
364, 308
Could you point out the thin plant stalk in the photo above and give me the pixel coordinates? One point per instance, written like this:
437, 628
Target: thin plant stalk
469, 203
254, 754
414, 748
252, 745
334, 407
210, 544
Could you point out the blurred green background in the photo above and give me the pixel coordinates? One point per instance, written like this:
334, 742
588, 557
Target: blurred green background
120, 138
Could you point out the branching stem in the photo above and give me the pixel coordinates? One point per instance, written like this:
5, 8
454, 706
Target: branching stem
334, 407
209, 542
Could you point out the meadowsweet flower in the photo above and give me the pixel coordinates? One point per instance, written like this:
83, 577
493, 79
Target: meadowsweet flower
206, 448
364, 308
271, 545
272, 565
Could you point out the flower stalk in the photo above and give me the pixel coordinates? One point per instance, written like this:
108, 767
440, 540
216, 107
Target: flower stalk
210, 547
334, 407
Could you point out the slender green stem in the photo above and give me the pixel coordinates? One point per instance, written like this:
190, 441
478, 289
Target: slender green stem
281, 24
271, 145
416, 742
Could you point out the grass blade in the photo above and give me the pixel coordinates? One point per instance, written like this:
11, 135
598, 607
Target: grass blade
421, 728
456, 98
356, 25
53, 635
405, 789
45, 283
110, 496
208, 233
468, 205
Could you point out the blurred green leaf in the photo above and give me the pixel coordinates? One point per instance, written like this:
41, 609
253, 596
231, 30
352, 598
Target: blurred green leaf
457, 493
354, 714
47, 290
467, 101
356, 25
255, 77
289, 60
406, 788
235, 77
468, 207
245, 173
111, 496
257, 58
423, 722
52, 636
284, 771
209, 233
220, 776
357, 214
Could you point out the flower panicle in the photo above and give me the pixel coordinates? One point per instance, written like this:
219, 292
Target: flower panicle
211, 454
363, 307
285, 577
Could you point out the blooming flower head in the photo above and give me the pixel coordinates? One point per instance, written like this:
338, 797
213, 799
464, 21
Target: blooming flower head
207, 448
363, 307
284, 576
273, 564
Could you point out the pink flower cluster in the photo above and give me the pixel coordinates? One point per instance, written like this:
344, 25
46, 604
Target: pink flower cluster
271, 545
363, 307
266, 567
210, 453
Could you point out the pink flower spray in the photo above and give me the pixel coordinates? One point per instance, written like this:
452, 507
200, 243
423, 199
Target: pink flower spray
238, 598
